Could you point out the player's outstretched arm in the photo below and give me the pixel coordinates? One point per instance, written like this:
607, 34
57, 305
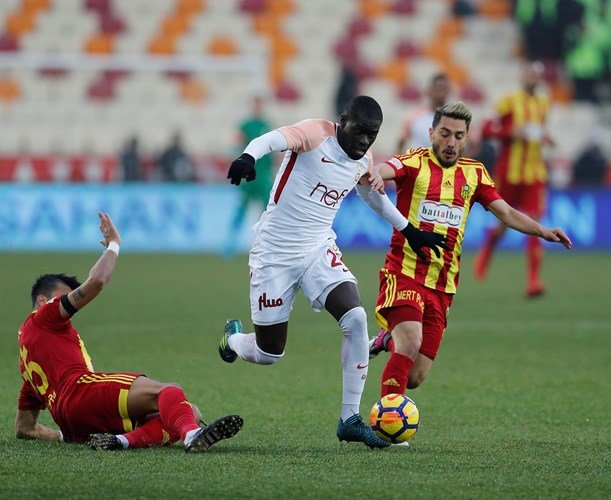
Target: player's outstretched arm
100, 273
523, 223
243, 167
27, 427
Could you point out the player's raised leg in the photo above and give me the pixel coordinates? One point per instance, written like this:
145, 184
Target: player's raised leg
264, 346
344, 303
272, 291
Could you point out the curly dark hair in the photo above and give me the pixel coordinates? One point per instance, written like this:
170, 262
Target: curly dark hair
46, 283
363, 106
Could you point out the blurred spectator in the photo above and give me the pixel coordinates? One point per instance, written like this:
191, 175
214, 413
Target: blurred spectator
174, 164
585, 65
520, 171
130, 161
590, 166
415, 131
346, 90
256, 192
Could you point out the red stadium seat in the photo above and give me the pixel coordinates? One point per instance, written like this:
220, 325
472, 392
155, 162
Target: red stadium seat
286, 91
111, 24
8, 43
405, 49
410, 93
472, 93
101, 89
101, 6
253, 6
359, 26
403, 7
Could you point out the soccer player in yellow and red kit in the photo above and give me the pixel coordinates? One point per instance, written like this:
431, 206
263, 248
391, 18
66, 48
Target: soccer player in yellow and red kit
520, 174
111, 411
436, 189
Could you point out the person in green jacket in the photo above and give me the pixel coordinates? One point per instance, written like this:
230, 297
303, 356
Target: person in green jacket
255, 192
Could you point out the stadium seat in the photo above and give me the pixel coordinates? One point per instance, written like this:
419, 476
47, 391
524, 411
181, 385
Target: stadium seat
9, 89
192, 91
394, 46
222, 46
100, 43
8, 43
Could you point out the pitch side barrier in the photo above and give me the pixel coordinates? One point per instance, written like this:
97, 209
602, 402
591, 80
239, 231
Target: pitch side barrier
197, 218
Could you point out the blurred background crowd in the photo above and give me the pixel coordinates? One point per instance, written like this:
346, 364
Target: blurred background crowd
170, 90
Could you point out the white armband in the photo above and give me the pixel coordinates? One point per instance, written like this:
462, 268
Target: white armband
265, 144
113, 246
381, 204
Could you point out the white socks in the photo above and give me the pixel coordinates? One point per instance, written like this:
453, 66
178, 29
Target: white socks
245, 346
355, 359
189, 436
123, 440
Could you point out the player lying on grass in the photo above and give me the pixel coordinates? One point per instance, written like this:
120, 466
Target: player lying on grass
294, 245
436, 189
111, 411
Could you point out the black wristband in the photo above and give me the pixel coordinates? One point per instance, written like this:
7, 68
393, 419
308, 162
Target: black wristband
246, 157
70, 309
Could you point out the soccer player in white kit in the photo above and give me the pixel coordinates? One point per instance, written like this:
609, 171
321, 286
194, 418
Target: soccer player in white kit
294, 246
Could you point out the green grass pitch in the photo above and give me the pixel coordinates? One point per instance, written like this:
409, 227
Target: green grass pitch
518, 403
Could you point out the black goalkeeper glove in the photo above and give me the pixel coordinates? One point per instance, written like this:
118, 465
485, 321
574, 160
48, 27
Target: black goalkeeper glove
242, 167
418, 240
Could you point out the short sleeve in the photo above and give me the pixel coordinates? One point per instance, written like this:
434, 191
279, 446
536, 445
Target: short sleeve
406, 166
307, 135
28, 399
48, 317
486, 191
397, 165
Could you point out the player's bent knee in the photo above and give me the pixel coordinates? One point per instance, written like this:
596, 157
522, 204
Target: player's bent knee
266, 358
354, 322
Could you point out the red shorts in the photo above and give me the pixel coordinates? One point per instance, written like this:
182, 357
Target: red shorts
402, 299
96, 402
529, 198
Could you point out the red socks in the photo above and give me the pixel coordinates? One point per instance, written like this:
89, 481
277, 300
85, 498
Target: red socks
175, 411
534, 254
395, 374
152, 433
482, 258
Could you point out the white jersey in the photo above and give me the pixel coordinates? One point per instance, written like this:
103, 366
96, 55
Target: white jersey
315, 177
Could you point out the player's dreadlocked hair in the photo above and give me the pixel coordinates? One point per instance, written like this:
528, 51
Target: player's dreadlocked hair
46, 283
363, 106
457, 110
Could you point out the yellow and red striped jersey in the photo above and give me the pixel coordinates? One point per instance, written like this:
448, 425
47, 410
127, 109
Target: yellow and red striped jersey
438, 199
521, 159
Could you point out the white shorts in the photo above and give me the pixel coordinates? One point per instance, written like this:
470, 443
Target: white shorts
274, 281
